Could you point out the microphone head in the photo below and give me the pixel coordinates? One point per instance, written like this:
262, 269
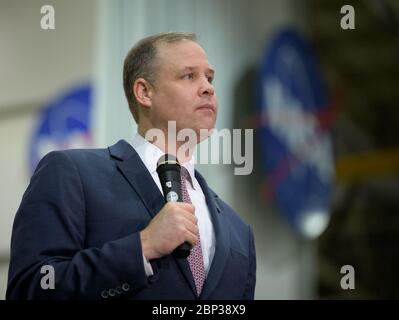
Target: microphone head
167, 159
168, 169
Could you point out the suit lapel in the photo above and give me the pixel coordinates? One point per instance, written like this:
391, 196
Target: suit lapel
133, 169
135, 172
222, 239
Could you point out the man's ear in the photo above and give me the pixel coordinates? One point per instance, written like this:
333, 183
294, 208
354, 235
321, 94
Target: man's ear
142, 90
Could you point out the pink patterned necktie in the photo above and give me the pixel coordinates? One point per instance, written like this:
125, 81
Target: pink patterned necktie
195, 259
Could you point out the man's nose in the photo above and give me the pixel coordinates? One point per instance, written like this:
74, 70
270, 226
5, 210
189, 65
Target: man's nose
206, 88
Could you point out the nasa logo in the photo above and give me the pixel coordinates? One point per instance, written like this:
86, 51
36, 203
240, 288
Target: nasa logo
63, 124
296, 145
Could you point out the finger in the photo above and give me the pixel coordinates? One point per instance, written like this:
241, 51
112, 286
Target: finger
191, 238
186, 206
192, 227
189, 216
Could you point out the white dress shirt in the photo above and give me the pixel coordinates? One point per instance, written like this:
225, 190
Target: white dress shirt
149, 154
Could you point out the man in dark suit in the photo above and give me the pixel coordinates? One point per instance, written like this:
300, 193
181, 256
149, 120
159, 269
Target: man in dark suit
97, 218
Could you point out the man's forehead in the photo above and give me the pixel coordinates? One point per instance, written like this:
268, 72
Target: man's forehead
179, 45
184, 53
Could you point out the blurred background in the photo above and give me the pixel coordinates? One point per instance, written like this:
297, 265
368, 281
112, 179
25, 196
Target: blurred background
319, 87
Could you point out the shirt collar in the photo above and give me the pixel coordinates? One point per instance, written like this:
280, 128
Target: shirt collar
150, 153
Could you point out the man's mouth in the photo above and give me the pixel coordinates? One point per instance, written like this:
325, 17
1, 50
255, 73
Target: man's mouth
207, 106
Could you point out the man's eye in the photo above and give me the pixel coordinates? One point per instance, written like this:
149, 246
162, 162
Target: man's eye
210, 79
189, 76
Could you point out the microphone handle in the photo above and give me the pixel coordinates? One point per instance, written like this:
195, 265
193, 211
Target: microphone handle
182, 251
173, 194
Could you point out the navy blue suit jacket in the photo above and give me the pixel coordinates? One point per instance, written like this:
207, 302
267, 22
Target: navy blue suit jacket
82, 213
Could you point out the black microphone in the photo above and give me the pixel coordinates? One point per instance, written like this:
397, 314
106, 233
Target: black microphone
168, 169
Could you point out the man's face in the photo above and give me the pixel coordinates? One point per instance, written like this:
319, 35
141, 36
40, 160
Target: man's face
183, 88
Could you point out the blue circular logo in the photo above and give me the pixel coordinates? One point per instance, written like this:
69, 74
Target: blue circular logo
63, 124
296, 144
